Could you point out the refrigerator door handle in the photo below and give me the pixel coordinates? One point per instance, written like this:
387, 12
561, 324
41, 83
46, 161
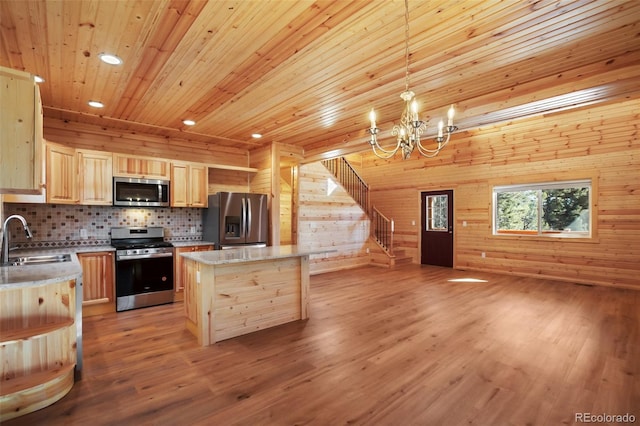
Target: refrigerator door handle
243, 220
248, 216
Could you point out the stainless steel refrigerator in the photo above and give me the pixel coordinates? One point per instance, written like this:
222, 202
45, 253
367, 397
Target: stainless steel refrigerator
235, 219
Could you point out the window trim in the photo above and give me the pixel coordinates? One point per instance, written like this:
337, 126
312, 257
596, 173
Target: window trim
591, 182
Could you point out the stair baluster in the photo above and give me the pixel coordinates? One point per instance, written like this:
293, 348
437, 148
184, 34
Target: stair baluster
382, 230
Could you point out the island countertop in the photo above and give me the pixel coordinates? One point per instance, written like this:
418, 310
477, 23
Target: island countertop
251, 254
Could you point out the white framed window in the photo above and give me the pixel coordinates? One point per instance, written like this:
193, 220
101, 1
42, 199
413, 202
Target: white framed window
554, 209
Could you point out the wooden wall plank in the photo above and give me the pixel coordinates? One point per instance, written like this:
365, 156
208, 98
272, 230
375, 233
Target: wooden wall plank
330, 221
98, 138
221, 180
599, 142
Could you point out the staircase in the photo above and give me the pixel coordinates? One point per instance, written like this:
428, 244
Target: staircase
382, 228
350, 180
383, 253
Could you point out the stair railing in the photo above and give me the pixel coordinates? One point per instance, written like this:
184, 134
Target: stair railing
381, 226
382, 230
350, 180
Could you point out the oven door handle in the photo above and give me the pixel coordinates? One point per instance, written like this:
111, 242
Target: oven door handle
142, 256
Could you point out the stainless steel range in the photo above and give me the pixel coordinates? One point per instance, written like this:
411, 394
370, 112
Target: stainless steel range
144, 267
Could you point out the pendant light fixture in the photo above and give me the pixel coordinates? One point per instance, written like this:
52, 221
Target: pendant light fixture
408, 131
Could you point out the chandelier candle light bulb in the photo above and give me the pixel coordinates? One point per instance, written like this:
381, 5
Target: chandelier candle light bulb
414, 110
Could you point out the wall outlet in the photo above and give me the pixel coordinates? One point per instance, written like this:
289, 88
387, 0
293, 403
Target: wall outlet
193, 230
464, 223
367, 249
83, 234
483, 255
413, 223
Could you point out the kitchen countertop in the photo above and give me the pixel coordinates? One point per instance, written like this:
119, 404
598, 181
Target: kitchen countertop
60, 250
179, 244
36, 275
250, 254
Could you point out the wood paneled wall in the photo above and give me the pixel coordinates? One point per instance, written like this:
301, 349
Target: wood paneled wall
286, 207
330, 221
599, 143
98, 138
260, 182
221, 180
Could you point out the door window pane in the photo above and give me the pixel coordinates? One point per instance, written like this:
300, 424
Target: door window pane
437, 213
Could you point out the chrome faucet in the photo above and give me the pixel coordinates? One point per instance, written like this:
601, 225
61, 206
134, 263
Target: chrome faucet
4, 257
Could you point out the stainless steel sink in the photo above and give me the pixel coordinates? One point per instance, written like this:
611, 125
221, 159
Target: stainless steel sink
39, 260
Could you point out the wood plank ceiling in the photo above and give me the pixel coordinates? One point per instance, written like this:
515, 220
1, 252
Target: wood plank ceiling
306, 73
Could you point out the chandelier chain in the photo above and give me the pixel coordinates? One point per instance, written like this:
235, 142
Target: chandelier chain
406, 45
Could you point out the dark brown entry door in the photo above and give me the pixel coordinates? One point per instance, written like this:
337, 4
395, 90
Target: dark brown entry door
437, 228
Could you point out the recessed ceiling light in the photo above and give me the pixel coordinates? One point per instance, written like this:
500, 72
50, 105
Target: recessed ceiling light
96, 104
189, 122
110, 59
256, 135
38, 79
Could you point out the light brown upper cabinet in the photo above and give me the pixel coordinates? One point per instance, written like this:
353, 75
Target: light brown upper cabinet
62, 175
95, 183
78, 176
140, 167
189, 185
21, 143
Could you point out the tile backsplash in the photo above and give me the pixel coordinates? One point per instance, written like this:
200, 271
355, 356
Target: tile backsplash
55, 225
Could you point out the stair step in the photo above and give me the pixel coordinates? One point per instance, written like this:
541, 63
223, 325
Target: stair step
379, 258
405, 260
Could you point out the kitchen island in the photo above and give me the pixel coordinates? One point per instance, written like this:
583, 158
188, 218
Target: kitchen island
238, 291
40, 334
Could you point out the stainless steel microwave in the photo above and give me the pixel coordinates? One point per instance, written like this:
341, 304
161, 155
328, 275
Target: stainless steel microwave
133, 192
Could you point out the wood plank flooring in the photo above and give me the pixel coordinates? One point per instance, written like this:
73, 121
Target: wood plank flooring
385, 347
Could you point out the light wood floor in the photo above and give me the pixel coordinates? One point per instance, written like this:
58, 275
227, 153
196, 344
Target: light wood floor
399, 347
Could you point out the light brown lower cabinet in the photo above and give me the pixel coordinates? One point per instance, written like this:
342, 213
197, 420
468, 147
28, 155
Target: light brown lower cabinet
98, 284
37, 346
179, 270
